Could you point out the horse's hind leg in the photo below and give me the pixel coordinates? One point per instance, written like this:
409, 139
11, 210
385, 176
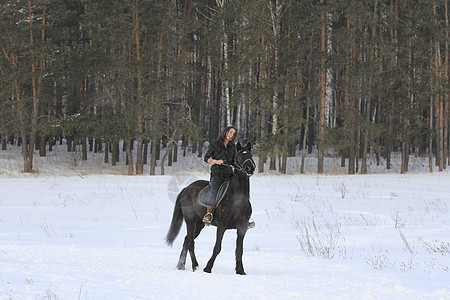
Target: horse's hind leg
182, 261
197, 229
217, 248
187, 244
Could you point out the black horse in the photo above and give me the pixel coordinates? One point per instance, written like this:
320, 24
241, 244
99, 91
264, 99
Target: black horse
233, 212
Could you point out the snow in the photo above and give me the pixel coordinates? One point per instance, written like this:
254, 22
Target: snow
86, 230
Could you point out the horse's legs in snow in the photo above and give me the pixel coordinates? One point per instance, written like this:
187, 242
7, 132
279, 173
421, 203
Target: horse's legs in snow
187, 245
197, 229
217, 247
182, 260
240, 249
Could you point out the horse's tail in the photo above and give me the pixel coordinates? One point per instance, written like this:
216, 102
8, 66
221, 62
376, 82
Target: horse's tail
177, 221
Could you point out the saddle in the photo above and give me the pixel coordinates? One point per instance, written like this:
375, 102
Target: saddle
203, 196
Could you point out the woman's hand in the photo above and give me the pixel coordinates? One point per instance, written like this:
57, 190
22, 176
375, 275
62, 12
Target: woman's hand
215, 161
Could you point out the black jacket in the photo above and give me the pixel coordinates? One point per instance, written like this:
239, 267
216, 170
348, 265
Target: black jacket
216, 152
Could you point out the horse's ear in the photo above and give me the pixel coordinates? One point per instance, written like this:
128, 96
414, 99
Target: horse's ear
239, 147
249, 146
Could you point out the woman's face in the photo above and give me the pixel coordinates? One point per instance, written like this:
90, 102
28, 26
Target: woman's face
231, 134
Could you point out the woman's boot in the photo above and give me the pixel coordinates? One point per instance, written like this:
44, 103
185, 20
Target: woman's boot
207, 219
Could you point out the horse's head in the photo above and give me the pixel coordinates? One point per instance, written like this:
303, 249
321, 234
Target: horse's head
244, 160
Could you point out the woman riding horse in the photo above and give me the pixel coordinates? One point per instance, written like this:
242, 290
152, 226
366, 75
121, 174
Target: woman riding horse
233, 212
221, 154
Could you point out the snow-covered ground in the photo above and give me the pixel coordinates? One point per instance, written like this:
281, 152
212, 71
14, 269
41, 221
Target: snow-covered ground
85, 230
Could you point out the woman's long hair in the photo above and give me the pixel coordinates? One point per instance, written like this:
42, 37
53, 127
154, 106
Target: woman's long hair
223, 136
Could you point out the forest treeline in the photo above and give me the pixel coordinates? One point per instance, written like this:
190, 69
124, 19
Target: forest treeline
349, 77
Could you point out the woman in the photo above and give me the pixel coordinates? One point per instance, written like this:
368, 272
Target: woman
221, 154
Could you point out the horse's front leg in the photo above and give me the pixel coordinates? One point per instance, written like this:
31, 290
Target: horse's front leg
240, 250
217, 247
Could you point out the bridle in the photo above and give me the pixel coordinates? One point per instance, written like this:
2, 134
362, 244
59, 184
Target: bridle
241, 167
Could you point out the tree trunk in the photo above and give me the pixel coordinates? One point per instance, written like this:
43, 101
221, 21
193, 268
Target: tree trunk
369, 97
140, 100
305, 128
263, 110
406, 122
321, 127
430, 134
275, 13
284, 158
42, 146
153, 156
145, 153
175, 151
36, 83
115, 154
446, 98
84, 149
27, 164
170, 156
166, 154
106, 158
225, 82
130, 157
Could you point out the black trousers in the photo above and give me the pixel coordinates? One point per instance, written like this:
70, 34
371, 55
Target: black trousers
215, 182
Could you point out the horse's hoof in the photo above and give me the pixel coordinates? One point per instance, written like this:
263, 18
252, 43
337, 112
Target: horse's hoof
180, 267
207, 270
240, 271
251, 225
194, 268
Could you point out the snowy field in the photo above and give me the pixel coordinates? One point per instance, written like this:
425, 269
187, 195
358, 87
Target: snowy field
82, 230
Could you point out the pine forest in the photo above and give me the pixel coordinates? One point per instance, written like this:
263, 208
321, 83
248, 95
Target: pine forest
349, 78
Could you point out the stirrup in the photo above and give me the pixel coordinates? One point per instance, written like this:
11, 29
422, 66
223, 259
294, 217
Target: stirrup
251, 224
207, 219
